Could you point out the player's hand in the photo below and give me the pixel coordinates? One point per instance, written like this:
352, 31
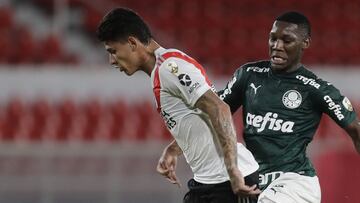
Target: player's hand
167, 165
238, 185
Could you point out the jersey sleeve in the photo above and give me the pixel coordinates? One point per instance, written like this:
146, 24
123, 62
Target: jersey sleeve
330, 101
183, 79
233, 93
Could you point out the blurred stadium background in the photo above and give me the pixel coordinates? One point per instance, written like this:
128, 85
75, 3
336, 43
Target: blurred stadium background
73, 130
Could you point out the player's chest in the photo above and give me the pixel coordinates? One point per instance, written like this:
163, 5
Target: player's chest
271, 94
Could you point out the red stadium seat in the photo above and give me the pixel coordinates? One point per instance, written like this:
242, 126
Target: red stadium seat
25, 46
92, 110
13, 114
68, 115
51, 50
6, 18
118, 111
41, 111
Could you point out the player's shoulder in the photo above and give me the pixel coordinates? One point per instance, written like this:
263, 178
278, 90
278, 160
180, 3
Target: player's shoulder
252, 68
316, 85
171, 60
168, 55
311, 80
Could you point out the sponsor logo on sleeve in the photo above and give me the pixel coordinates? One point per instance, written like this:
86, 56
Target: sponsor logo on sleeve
292, 99
193, 87
228, 88
308, 81
269, 121
347, 104
184, 79
336, 108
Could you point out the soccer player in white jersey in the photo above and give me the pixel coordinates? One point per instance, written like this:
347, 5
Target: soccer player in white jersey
198, 120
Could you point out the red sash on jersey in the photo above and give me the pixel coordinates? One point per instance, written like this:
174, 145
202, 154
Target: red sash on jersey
179, 55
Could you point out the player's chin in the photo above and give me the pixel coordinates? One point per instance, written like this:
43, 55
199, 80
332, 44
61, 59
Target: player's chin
129, 73
278, 67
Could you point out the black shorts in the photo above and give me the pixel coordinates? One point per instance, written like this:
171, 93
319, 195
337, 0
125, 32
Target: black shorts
218, 193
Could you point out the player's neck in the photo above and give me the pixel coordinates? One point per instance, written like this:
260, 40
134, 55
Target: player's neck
288, 70
150, 58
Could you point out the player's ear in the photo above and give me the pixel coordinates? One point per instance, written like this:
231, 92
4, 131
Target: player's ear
133, 43
306, 43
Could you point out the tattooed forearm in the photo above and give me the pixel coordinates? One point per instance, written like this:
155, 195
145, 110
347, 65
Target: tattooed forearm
221, 119
224, 127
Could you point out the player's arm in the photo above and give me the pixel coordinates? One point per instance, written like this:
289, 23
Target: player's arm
173, 148
340, 109
168, 161
220, 117
353, 131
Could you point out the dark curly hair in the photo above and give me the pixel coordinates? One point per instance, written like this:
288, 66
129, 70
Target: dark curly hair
121, 23
296, 18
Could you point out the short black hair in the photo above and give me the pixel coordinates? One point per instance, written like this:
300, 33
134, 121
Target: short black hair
296, 18
121, 23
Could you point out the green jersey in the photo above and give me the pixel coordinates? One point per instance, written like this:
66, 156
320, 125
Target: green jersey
281, 113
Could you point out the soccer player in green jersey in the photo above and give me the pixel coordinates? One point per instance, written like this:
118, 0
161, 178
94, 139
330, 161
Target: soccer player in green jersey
282, 106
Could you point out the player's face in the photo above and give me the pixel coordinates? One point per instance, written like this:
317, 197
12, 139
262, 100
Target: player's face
286, 45
123, 56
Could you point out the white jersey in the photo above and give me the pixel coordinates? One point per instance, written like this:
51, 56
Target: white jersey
178, 82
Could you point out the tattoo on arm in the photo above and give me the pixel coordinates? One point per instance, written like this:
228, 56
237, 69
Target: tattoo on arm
221, 119
225, 130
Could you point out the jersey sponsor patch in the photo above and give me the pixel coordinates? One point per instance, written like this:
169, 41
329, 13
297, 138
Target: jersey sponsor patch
173, 67
257, 69
269, 121
336, 108
194, 87
347, 104
184, 79
292, 99
228, 88
308, 81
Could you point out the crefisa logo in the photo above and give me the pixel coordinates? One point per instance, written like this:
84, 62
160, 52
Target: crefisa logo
332, 106
292, 99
